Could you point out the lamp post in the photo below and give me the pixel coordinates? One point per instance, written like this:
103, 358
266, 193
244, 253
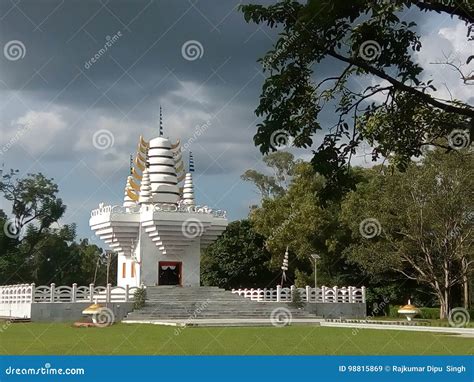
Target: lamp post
315, 258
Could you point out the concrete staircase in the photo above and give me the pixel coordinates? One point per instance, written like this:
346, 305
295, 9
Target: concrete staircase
194, 304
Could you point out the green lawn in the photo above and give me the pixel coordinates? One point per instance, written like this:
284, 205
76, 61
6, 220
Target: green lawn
62, 339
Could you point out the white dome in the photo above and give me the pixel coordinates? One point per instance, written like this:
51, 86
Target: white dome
160, 142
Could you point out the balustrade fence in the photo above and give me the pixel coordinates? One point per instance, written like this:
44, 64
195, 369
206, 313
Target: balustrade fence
30, 293
308, 294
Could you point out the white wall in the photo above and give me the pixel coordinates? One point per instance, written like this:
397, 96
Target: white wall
22, 310
150, 256
128, 280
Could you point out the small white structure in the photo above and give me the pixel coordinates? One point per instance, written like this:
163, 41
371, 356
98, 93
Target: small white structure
159, 231
409, 311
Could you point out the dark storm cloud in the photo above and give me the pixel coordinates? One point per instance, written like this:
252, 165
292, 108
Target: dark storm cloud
145, 61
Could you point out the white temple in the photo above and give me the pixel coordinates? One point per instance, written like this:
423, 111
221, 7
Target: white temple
159, 231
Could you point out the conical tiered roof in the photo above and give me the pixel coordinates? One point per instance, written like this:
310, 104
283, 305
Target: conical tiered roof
164, 183
145, 188
188, 190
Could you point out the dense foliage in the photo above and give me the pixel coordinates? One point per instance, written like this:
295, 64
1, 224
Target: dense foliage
404, 235
357, 59
34, 247
238, 259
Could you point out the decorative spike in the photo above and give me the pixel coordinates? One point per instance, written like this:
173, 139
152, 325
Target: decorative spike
132, 195
179, 167
181, 177
144, 143
136, 175
139, 164
161, 121
141, 158
191, 162
131, 164
129, 197
134, 185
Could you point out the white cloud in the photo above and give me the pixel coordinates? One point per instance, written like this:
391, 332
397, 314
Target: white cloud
36, 131
446, 44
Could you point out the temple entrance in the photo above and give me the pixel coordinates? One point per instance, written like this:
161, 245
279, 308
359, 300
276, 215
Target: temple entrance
169, 272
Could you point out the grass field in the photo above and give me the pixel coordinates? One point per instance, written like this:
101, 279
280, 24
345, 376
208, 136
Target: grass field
62, 339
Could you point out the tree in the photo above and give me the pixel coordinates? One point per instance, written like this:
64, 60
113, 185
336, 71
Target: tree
33, 249
34, 200
282, 165
361, 41
305, 221
237, 259
419, 223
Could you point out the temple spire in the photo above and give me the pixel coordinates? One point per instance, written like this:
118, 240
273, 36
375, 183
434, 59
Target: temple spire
161, 121
191, 162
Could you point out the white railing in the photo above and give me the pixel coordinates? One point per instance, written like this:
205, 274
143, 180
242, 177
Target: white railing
163, 207
319, 295
30, 293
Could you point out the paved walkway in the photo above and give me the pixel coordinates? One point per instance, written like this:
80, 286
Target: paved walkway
433, 329
465, 332
225, 322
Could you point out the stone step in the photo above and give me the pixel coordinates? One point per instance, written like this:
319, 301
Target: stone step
184, 303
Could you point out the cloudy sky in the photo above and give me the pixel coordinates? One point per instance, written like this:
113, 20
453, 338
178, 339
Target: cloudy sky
55, 96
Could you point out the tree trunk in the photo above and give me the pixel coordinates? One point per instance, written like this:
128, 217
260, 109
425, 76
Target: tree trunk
465, 285
442, 305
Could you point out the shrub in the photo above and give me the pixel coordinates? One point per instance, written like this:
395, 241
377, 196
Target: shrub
139, 298
430, 313
296, 300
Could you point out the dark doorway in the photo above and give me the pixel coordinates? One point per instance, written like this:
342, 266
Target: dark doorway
169, 273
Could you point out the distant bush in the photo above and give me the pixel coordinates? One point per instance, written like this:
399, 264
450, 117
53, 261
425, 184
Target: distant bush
139, 298
430, 313
296, 300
